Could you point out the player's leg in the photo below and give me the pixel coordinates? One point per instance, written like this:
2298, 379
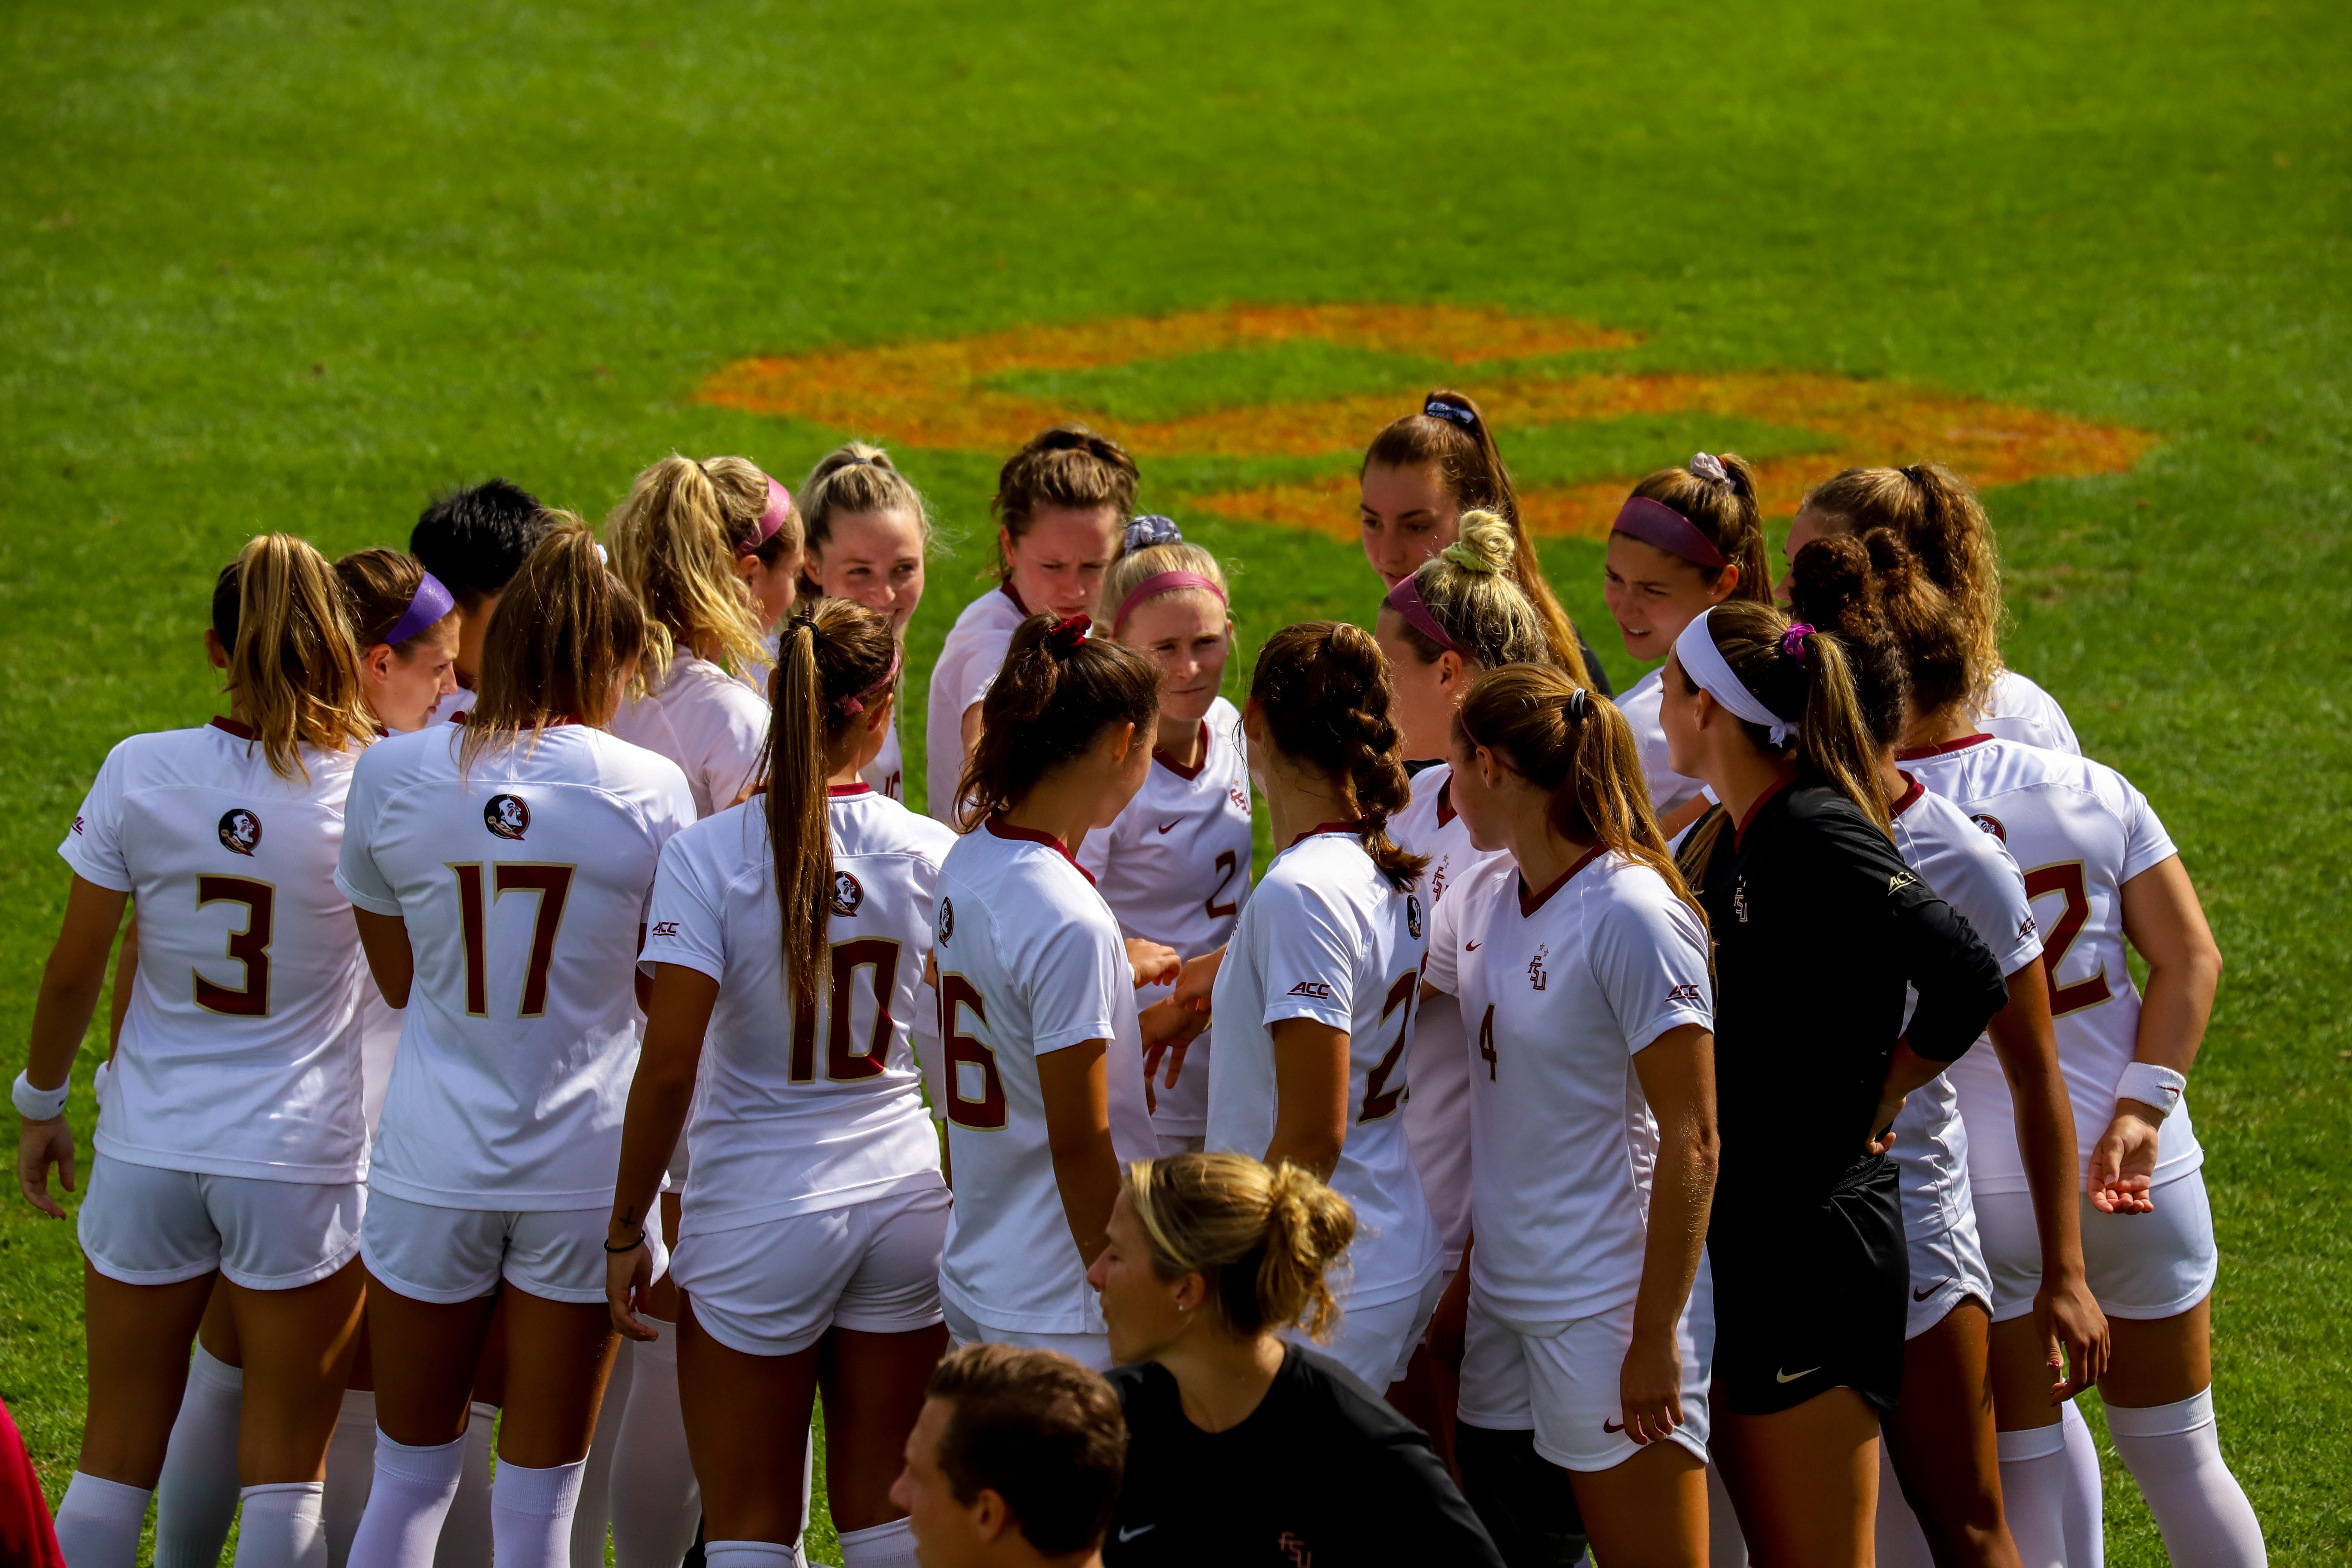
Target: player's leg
195, 1498
298, 1343
654, 1501
1805, 1480
1526, 1502
2028, 1438
138, 1338
1941, 1440
1643, 1505
747, 1425
1649, 1511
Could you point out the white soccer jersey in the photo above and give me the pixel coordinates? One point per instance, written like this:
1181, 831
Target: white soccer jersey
1562, 987
1031, 961
709, 723
1326, 937
1175, 869
969, 661
2080, 831
1974, 873
887, 772
240, 1052
523, 885
2018, 710
827, 1110
1437, 1111
1668, 789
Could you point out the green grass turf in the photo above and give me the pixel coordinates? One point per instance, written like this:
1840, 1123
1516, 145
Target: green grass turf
270, 266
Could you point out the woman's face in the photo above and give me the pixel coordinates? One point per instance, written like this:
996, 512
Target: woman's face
1407, 517
1058, 564
1653, 594
1426, 694
1678, 717
1473, 798
402, 685
1145, 1313
875, 557
1189, 636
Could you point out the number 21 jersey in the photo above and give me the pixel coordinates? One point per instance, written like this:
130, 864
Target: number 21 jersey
523, 884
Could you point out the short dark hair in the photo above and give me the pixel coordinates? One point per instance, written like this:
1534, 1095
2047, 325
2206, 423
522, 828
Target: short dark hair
475, 539
1038, 1430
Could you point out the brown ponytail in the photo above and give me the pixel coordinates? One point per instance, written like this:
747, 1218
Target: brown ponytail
833, 661
1068, 466
1831, 743
1460, 445
1262, 1239
278, 613
1727, 512
1324, 691
1935, 514
1571, 743
1059, 690
560, 646
1831, 585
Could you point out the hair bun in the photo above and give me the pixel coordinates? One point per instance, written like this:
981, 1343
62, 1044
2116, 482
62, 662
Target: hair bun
1485, 545
1151, 529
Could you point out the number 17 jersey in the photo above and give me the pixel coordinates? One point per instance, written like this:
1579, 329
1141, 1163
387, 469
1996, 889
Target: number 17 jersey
523, 884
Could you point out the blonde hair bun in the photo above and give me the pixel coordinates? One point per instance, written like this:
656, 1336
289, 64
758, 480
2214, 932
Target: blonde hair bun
1485, 545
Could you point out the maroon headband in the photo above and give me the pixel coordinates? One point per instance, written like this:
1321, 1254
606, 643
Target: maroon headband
1405, 600
772, 518
1655, 523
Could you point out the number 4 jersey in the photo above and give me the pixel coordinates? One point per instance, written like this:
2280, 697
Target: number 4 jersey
2079, 831
240, 1054
523, 884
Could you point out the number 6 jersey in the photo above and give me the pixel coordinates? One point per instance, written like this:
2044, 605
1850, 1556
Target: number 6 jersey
240, 1054
523, 885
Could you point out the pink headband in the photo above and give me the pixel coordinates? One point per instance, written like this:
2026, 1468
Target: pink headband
858, 704
771, 517
1405, 600
1655, 523
1160, 583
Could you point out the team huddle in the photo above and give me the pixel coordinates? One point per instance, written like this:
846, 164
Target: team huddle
1709, 1123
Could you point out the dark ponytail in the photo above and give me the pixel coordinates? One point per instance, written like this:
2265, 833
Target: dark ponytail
1830, 584
1937, 515
1324, 691
1059, 690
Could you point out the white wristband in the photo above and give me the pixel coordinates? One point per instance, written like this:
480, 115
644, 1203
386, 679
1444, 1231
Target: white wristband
38, 1104
2156, 1087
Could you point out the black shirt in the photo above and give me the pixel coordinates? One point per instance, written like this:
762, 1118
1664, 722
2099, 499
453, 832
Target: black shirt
1323, 1471
1818, 927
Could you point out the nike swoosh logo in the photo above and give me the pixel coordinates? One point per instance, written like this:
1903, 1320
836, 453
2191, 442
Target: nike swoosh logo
1612, 1425
1793, 1376
1127, 1533
1923, 1295
1469, 947
1164, 828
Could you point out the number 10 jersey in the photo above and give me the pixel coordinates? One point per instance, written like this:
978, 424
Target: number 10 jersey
523, 884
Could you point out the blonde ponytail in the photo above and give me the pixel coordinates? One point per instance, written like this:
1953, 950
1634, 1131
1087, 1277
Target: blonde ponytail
559, 647
292, 667
674, 541
1263, 1240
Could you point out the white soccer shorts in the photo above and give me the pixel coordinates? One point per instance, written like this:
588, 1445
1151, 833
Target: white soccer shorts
1091, 1351
445, 1256
1947, 1260
772, 1288
145, 1225
2139, 1266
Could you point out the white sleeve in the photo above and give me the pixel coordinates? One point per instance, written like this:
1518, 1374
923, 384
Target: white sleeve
1649, 958
686, 920
1075, 974
1445, 935
2146, 843
1990, 896
93, 845
730, 724
357, 875
1310, 960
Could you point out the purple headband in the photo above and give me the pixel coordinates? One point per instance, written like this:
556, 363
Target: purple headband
1656, 523
1160, 583
856, 704
771, 517
1405, 600
425, 607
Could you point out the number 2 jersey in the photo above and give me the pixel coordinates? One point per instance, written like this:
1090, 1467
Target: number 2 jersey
1327, 937
2079, 831
523, 884
806, 1102
240, 1053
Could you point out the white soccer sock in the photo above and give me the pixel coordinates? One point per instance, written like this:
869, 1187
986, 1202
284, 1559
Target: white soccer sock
2175, 1454
350, 1470
2033, 1494
195, 1497
593, 1518
1902, 1543
758, 1554
531, 1514
97, 1523
284, 1525
407, 1502
466, 1532
2086, 1497
655, 1499
890, 1545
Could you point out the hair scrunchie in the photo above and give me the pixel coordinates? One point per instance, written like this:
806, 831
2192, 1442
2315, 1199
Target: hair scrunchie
1453, 413
1792, 641
1709, 467
1151, 529
1064, 637
1459, 555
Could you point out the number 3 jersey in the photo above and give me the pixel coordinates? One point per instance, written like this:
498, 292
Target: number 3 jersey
523, 884
2079, 831
240, 1053
1327, 937
808, 1101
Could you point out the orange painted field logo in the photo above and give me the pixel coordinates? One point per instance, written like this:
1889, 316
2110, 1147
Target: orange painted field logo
953, 394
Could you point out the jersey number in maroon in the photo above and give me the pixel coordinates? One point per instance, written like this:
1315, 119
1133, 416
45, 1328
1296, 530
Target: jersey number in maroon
552, 884
1227, 864
249, 947
879, 955
2066, 879
1380, 1101
987, 1114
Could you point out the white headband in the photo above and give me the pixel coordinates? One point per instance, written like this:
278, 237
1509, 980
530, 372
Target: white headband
1703, 662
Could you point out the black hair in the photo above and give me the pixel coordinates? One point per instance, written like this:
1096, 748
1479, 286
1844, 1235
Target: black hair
474, 539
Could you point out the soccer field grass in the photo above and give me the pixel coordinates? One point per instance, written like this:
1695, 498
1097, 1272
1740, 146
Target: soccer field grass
271, 267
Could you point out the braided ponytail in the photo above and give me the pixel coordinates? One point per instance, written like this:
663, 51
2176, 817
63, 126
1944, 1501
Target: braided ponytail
1324, 689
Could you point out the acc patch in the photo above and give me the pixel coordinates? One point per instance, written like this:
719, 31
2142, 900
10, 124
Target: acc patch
240, 831
508, 816
847, 893
1990, 825
1412, 915
947, 920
